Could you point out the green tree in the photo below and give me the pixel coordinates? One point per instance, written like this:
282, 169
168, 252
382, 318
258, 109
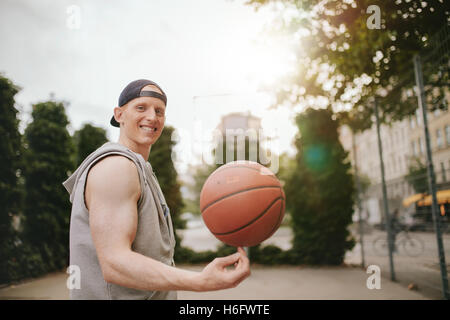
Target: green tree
162, 163
321, 192
87, 140
417, 177
10, 163
199, 174
48, 162
288, 166
358, 61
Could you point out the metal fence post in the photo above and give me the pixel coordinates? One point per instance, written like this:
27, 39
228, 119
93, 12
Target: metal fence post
385, 201
431, 176
358, 202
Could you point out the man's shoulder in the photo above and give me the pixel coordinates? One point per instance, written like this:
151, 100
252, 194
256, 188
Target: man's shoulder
114, 169
113, 179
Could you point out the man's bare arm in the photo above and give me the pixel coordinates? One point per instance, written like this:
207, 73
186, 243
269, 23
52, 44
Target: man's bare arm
112, 192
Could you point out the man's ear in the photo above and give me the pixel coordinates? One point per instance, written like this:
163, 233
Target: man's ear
118, 114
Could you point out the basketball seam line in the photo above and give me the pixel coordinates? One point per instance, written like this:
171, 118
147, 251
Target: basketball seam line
251, 168
244, 226
236, 192
279, 216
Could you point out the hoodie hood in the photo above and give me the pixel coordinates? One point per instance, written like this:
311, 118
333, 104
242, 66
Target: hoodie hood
71, 183
107, 148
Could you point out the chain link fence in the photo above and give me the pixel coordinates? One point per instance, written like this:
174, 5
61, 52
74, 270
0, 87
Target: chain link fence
398, 228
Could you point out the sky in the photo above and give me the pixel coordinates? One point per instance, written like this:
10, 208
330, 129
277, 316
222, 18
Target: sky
211, 57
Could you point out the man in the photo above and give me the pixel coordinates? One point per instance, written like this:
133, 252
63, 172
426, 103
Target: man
121, 234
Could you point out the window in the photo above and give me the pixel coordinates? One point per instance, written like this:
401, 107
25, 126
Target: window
447, 134
413, 148
418, 118
394, 164
421, 146
444, 178
411, 122
439, 140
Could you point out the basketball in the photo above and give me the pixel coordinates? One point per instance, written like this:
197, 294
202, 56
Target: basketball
242, 203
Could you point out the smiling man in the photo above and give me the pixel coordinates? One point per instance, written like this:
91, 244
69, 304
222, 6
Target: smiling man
121, 233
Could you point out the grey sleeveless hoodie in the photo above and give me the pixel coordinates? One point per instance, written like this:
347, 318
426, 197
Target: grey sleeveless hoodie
154, 236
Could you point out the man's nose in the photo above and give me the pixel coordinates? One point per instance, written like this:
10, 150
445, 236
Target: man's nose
151, 114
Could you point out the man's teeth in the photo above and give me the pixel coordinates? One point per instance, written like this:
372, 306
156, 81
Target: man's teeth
149, 129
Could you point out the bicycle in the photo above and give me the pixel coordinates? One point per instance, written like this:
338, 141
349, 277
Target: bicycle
411, 245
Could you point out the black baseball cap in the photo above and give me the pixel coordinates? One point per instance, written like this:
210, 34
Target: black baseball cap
133, 91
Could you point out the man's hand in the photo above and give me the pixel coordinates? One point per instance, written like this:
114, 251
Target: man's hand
215, 275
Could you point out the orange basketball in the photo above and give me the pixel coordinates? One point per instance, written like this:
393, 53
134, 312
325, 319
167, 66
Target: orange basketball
242, 203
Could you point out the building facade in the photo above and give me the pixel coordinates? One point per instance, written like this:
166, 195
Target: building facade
234, 129
403, 146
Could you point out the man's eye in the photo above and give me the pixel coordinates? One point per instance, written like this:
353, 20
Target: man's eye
140, 108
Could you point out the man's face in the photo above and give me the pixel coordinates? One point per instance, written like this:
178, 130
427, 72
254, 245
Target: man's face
142, 119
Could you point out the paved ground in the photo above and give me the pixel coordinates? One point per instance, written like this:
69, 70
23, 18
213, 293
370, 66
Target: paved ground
422, 270
281, 282
298, 283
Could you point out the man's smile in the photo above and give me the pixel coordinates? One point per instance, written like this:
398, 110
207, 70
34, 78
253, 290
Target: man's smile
148, 128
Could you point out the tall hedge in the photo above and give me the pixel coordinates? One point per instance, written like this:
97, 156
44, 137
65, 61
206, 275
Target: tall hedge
87, 140
162, 163
10, 157
48, 158
321, 192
